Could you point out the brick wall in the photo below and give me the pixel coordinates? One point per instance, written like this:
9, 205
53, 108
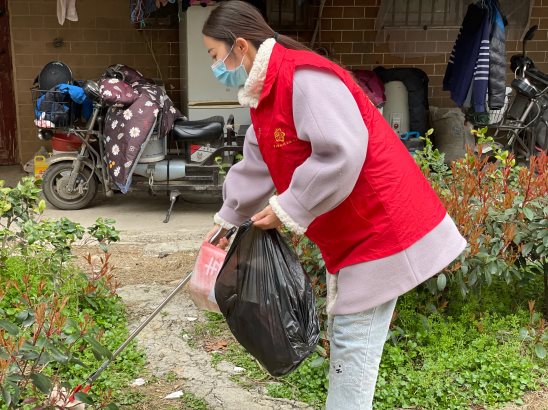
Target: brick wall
102, 36
348, 33
538, 48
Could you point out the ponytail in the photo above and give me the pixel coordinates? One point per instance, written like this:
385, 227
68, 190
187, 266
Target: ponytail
291, 43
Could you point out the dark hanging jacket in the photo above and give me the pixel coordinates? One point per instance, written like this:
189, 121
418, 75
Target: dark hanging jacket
497, 64
480, 83
462, 62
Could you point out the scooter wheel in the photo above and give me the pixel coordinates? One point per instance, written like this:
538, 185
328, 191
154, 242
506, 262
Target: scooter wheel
55, 182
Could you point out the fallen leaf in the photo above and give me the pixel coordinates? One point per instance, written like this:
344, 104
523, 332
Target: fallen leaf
218, 345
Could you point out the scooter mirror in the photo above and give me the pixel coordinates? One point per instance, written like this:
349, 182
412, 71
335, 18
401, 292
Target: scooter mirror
92, 90
530, 33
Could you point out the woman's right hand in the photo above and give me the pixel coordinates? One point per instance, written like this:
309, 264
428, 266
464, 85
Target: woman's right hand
221, 243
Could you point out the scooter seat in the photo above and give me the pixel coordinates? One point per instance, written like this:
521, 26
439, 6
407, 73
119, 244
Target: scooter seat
209, 129
524, 87
538, 76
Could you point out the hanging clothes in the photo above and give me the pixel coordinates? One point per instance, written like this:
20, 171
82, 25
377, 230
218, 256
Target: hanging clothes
141, 9
476, 72
497, 63
460, 69
480, 84
66, 9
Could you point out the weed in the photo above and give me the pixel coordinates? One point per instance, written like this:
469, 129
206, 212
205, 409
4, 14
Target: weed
436, 361
216, 358
237, 355
171, 376
129, 398
190, 341
192, 402
213, 326
451, 363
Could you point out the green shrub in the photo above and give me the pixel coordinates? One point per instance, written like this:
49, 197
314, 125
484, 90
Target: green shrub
500, 208
57, 323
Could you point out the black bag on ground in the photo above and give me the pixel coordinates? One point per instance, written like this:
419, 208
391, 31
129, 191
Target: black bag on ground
267, 300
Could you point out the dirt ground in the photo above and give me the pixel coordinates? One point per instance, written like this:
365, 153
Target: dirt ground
177, 358
532, 401
145, 277
133, 267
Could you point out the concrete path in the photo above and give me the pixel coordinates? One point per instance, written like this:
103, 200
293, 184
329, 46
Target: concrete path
138, 215
11, 174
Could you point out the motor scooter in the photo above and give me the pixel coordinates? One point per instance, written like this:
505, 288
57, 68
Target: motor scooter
191, 161
521, 126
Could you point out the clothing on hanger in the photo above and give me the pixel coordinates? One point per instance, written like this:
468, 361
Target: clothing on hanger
476, 70
480, 83
497, 63
66, 9
140, 9
463, 58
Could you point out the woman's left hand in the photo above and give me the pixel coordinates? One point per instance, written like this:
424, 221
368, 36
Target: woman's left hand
266, 219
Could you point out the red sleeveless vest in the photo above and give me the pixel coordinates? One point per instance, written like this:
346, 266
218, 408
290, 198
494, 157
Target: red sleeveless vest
392, 204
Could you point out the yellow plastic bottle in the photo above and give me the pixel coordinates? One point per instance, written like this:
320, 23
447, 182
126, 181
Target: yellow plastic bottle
40, 166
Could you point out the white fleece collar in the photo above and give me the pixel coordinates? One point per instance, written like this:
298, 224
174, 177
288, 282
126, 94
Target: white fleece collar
249, 94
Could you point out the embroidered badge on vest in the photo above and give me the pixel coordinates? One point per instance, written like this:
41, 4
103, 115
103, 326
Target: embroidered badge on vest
279, 137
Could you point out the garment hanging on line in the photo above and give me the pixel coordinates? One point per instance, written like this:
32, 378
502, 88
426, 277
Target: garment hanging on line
460, 69
488, 89
66, 9
477, 63
497, 63
480, 82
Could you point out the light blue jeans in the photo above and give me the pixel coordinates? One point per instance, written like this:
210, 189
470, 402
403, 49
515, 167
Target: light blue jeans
357, 342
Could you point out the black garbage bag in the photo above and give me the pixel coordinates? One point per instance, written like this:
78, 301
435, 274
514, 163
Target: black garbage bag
267, 300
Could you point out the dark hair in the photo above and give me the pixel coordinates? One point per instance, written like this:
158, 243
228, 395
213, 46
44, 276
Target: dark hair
234, 18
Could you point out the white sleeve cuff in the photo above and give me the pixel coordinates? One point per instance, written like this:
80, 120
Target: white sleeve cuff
285, 218
220, 221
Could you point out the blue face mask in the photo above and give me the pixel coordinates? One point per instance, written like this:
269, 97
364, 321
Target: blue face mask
230, 78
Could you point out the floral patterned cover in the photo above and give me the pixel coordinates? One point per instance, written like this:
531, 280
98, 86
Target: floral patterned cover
135, 106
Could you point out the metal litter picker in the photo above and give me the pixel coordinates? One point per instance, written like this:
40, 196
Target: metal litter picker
84, 388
